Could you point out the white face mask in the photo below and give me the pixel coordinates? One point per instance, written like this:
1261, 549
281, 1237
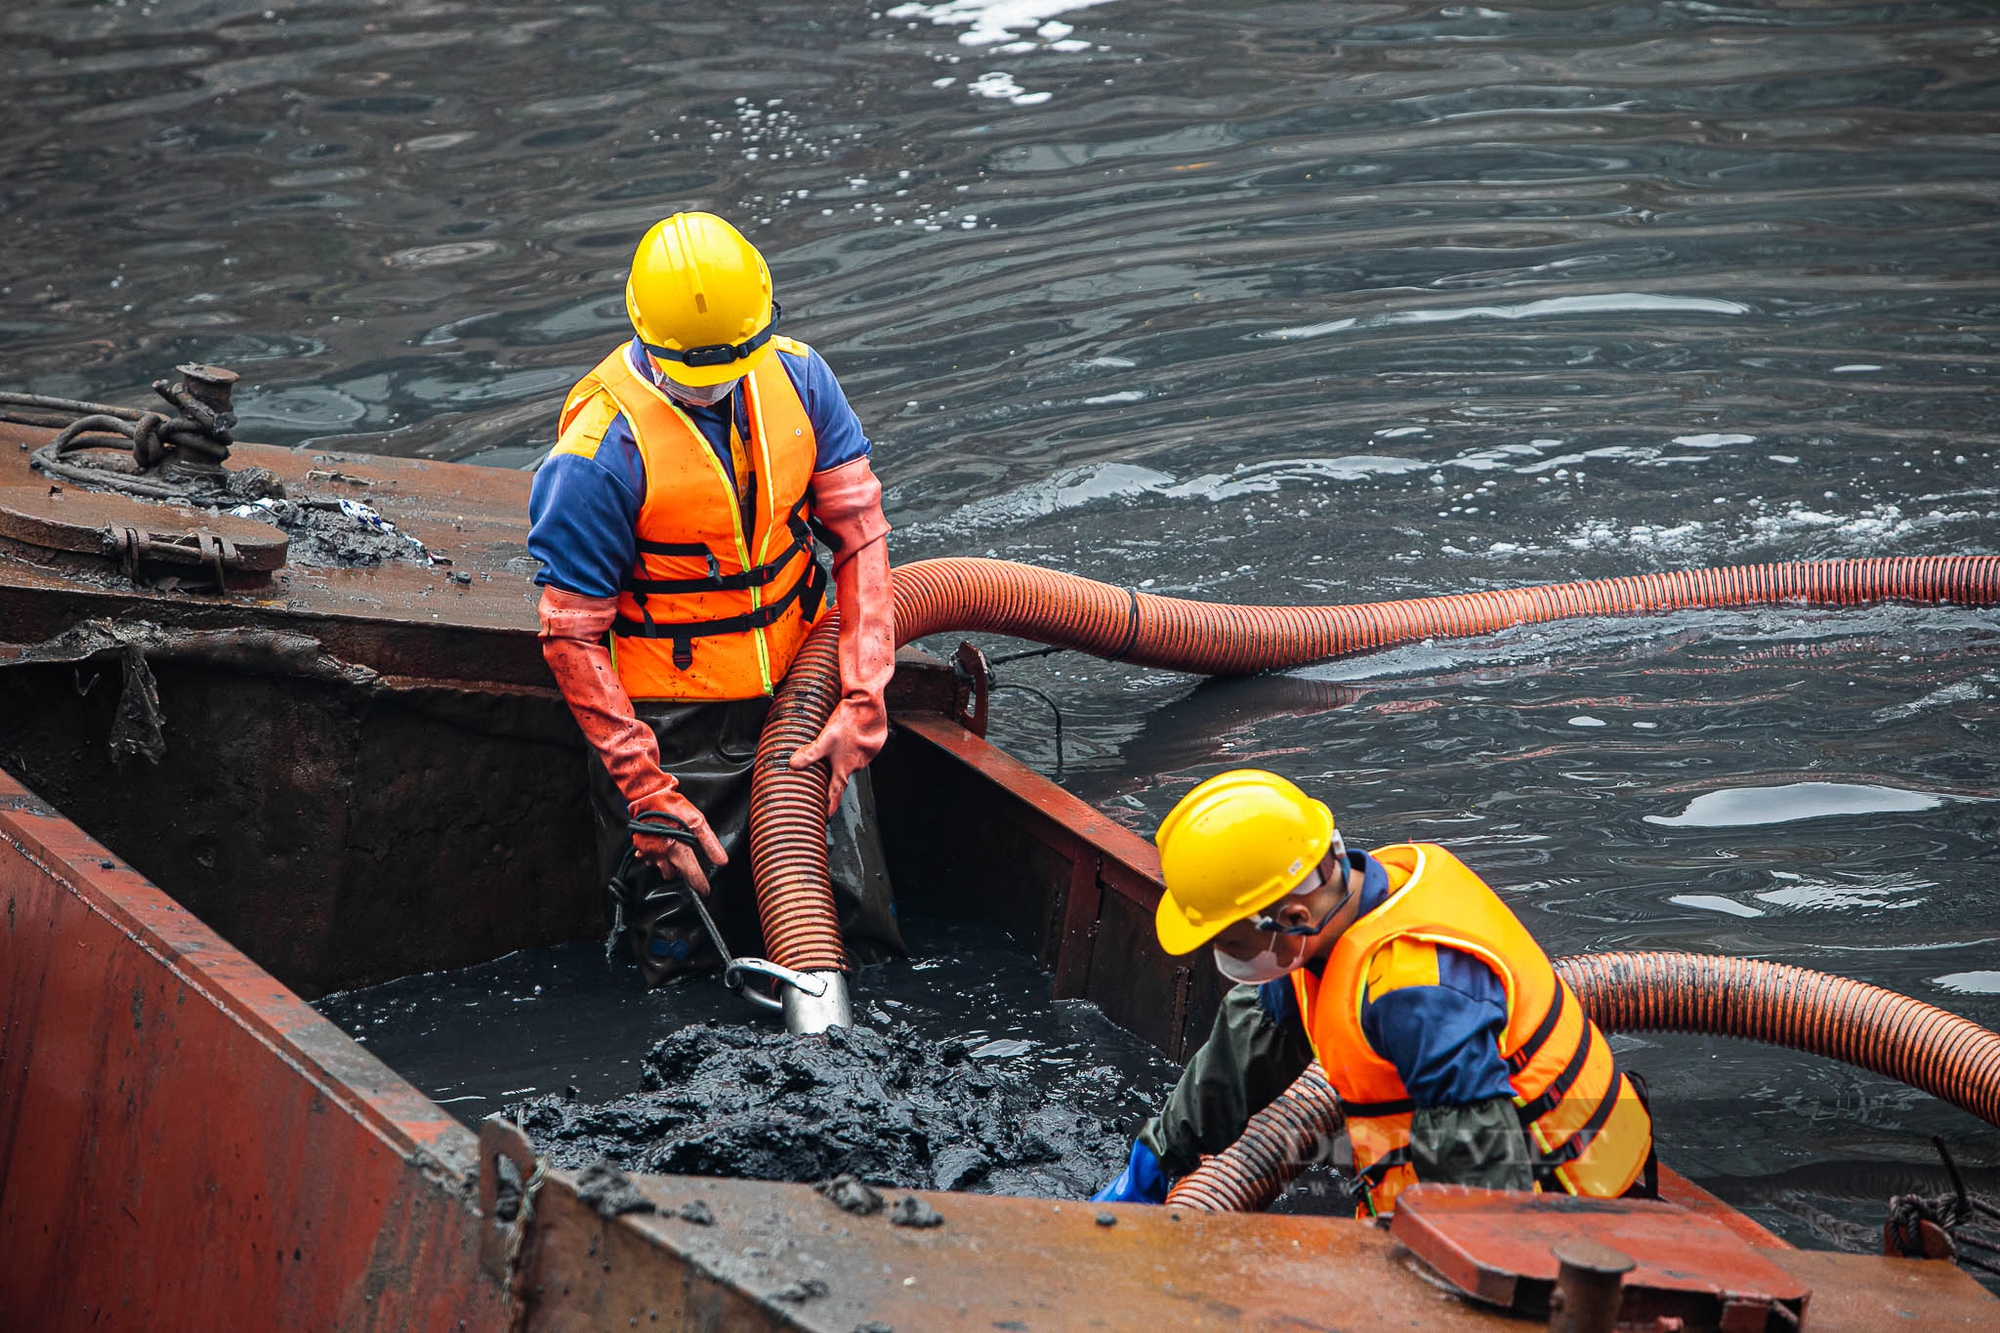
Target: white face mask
707, 395
1256, 971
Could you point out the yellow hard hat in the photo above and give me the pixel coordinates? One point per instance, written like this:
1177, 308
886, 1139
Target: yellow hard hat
1233, 846
700, 299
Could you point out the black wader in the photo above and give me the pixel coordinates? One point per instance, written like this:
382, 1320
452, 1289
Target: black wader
709, 748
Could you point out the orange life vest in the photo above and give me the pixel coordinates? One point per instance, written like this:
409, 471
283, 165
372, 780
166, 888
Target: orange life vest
1589, 1128
725, 586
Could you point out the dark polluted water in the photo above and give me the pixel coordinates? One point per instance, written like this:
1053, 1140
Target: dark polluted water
1271, 303
961, 1074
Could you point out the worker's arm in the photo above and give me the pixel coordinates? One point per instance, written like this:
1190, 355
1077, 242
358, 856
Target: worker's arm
583, 513
1256, 1048
847, 501
1437, 1014
837, 433
583, 507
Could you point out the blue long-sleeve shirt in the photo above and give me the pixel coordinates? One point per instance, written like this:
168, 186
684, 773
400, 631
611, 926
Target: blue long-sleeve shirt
583, 509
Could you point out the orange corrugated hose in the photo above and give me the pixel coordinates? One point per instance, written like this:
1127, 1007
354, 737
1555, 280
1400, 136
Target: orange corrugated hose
788, 832
1277, 1144
1952, 1058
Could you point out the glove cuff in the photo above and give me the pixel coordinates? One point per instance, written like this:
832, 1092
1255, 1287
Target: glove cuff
569, 615
847, 500
573, 646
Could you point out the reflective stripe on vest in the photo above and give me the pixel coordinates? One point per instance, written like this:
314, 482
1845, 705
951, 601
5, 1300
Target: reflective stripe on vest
1590, 1132
711, 610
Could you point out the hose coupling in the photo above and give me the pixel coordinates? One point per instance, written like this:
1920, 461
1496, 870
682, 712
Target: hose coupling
738, 972
806, 1012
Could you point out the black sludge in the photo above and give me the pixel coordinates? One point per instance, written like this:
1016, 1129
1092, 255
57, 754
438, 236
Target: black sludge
889, 1106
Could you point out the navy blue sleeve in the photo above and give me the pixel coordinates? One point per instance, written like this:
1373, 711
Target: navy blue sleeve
1280, 1003
583, 515
835, 426
1444, 1039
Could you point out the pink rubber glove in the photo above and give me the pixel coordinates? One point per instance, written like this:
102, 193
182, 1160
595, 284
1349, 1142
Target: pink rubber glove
573, 630
847, 500
670, 855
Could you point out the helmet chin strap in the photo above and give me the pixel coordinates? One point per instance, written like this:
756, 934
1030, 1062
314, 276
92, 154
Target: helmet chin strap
1336, 856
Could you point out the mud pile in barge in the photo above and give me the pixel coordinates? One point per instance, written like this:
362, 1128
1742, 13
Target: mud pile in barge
889, 1106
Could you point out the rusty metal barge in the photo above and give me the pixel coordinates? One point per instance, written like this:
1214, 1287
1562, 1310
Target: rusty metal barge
225, 769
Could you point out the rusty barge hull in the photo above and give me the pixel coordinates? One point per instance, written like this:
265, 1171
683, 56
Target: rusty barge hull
185, 1143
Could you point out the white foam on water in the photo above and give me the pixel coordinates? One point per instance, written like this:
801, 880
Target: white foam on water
991, 22
1710, 902
1867, 532
1964, 691
1499, 457
1074, 488
1585, 720
1713, 441
1002, 1048
1262, 478
1410, 659
1807, 893
1602, 303
1969, 983
1123, 396
1744, 807
1071, 488
999, 84
1641, 453
1607, 534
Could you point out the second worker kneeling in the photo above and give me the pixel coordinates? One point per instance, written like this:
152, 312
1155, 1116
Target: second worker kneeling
1460, 1055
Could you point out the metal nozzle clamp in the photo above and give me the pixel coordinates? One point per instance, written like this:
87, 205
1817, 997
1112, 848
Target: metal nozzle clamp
736, 972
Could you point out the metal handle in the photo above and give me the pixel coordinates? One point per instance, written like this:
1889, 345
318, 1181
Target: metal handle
734, 970
733, 977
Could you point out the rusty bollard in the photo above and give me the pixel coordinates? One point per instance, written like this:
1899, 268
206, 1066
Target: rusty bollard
1589, 1288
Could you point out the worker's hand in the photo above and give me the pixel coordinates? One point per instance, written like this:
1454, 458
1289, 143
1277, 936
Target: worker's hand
1142, 1180
852, 737
673, 857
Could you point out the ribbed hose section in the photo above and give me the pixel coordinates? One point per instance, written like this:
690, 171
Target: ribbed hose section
1280, 1141
936, 596
995, 596
1952, 1058
788, 816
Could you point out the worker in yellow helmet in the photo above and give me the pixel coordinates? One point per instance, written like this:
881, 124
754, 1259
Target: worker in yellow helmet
698, 469
1460, 1055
